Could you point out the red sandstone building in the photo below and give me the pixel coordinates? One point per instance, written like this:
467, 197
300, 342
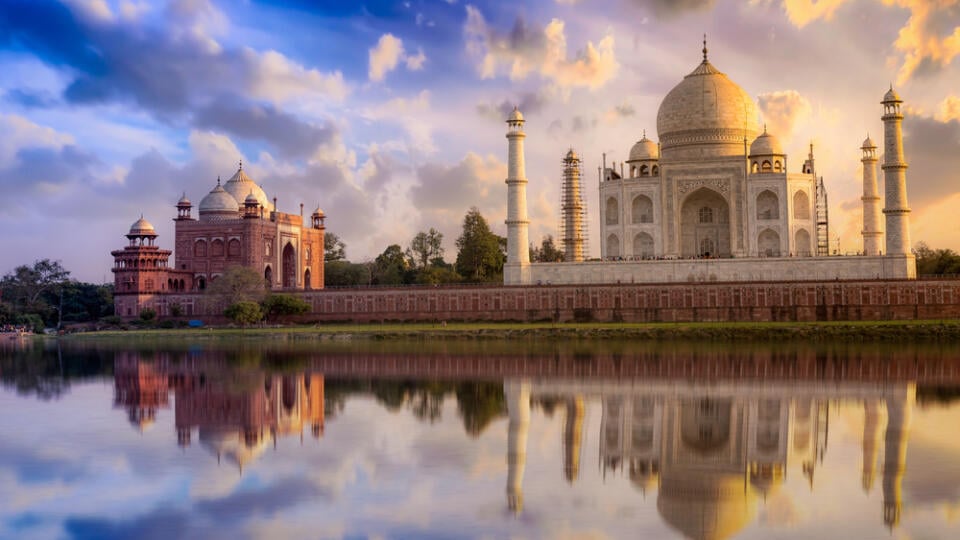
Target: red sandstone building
237, 225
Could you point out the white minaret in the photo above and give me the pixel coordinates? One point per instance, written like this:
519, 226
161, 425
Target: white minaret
899, 415
516, 270
517, 394
895, 177
872, 235
873, 416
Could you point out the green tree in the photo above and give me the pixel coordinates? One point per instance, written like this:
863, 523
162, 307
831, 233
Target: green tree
345, 274
547, 252
244, 312
481, 252
35, 289
479, 403
426, 247
237, 284
391, 267
281, 305
147, 314
936, 262
333, 248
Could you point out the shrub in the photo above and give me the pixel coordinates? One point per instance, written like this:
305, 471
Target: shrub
148, 314
244, 312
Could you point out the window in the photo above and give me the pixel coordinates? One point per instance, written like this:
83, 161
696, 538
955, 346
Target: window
216, 248
233, 249
200, 248
613, 211
706, 214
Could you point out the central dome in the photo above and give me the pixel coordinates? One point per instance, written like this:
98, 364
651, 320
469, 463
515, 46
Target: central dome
706, 109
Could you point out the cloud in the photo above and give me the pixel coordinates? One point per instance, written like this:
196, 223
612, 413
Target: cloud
527, 102
444, 193
673, 8
166, 68
927, 43
292, 137
525, 50
388, 54
949, 109
782, 110
409, 113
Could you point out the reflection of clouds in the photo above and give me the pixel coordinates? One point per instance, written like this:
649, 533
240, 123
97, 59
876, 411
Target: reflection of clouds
781, 511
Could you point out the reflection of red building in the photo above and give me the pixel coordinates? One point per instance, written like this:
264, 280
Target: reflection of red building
140, 389
236, 226
236, 412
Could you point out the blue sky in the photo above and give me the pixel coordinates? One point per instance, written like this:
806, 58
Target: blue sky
389, 115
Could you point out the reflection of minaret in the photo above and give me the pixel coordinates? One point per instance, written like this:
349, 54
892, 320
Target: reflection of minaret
872, 423
572, 434
518, 408
899, 413
141, 389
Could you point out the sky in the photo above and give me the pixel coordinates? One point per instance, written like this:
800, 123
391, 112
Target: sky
389, 115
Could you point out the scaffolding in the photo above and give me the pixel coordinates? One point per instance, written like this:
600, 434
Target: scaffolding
573, 211
823, 221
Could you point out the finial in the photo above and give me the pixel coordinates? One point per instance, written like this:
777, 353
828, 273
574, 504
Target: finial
241, 164
704, 47
764, 128
644, 133
218, 180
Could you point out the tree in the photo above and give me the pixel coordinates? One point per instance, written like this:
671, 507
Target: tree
345, 274
237, 284
333, 248
147, 314
481, 254
936, 261
391, 266
35, 289
244, 312
426, 247
547, 252
280, 305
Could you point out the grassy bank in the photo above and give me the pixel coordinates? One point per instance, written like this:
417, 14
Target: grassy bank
940, 330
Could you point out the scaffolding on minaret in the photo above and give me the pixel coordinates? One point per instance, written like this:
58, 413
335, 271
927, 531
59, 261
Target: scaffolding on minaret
573, 211
823, 221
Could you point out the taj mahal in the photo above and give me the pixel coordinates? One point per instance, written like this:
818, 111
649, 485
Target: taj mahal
716, 199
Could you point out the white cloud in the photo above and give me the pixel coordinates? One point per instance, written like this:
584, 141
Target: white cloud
526, 50
274, 77
388, 54
949, 109
17, 132
782, 110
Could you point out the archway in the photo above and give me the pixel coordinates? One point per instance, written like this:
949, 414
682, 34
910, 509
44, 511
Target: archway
705, 225
768, 206
306, 279
801, 205
768, 243
268, 277
802, 241
643, 245
642, 209
705, 424
289, 266
613, 211
613, 246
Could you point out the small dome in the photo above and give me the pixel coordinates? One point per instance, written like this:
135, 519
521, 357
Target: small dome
766, 145
240, 185
142, 227
644, 149
868, 143
318, 212
184, 201
891, 95
219, 202
515, 116
251, 199
572, 155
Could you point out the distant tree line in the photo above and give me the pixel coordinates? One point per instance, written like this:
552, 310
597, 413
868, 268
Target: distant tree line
936, 262
43, 295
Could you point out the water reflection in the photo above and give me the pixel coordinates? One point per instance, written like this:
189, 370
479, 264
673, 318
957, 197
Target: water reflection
706, 439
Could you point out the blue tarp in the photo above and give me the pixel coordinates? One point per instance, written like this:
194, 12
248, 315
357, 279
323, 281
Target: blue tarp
195, 323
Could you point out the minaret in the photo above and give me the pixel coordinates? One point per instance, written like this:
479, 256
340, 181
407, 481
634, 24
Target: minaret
518, 409
572, 436
899, 414
571, 209
516, 270
895, 177
872, 235
872, 424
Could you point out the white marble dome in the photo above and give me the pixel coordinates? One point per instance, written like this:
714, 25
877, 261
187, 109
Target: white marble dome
868, 143
240, 185
515, 116
142, 227
707, 108
766, 145
644, 149
219, 203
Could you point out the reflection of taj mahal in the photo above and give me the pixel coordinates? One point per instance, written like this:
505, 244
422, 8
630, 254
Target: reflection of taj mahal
713, 453
716, 199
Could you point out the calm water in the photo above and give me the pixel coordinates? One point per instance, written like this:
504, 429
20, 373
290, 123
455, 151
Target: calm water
479, 440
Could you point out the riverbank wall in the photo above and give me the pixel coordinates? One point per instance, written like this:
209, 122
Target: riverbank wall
855, 300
